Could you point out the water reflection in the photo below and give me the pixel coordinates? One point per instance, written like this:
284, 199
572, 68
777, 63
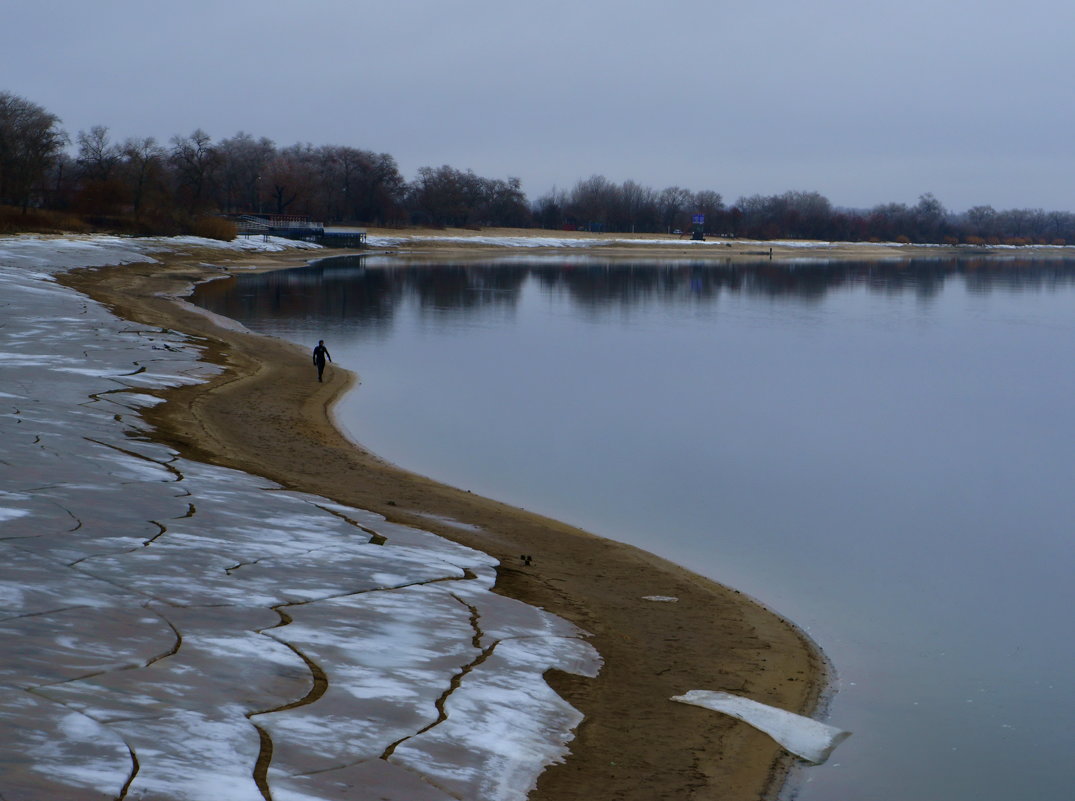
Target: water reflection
369, 297
882, 451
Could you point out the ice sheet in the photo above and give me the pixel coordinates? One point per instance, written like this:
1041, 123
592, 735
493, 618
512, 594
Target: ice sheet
190, 619
807, 738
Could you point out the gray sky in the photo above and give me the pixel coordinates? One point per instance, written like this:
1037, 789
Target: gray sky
862, 100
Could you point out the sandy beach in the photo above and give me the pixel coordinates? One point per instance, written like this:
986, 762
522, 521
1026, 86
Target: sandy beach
266, 414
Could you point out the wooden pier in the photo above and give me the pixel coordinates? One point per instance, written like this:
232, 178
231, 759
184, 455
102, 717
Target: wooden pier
300, 227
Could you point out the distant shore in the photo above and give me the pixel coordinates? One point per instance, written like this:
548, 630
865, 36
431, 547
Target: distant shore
446, 243
266, 414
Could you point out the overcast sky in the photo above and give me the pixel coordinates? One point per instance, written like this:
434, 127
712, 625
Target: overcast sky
865, 101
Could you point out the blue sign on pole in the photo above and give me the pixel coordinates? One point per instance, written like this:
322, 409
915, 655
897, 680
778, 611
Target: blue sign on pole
698, 219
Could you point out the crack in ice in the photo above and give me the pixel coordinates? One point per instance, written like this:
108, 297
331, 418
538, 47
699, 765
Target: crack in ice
178, 671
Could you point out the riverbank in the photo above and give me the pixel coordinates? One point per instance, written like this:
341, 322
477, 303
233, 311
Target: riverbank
448, 243
266, 415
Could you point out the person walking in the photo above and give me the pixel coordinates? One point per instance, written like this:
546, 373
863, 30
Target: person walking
320, 354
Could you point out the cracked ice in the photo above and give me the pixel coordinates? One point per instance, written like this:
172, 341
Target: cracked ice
175, 630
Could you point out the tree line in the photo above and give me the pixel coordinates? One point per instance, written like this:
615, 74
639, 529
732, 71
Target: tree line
145, 186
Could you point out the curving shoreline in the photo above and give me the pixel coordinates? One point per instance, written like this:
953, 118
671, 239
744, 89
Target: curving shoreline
265, 415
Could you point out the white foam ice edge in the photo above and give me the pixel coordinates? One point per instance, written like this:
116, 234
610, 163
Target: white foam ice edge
805, 737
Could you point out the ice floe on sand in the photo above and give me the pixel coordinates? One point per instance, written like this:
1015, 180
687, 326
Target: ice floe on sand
176, 630
802, 736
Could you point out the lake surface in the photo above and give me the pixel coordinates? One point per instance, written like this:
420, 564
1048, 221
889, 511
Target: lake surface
882, 452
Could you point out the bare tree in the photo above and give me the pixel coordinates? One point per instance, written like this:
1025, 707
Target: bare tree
293, 181
194, 160
359, 184
930, 218
381, 188
709, 204
1061, 226
447, 196
97, 156
31, 141
244, 162
504, 203
100, 190
982, 220
672, 202
143, 170
1014, 223
548, 210
638, 207
591, 202
889, 221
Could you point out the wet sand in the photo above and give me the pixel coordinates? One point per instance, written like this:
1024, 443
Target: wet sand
267, 414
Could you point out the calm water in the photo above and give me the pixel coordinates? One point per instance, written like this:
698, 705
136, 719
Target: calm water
883, 453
